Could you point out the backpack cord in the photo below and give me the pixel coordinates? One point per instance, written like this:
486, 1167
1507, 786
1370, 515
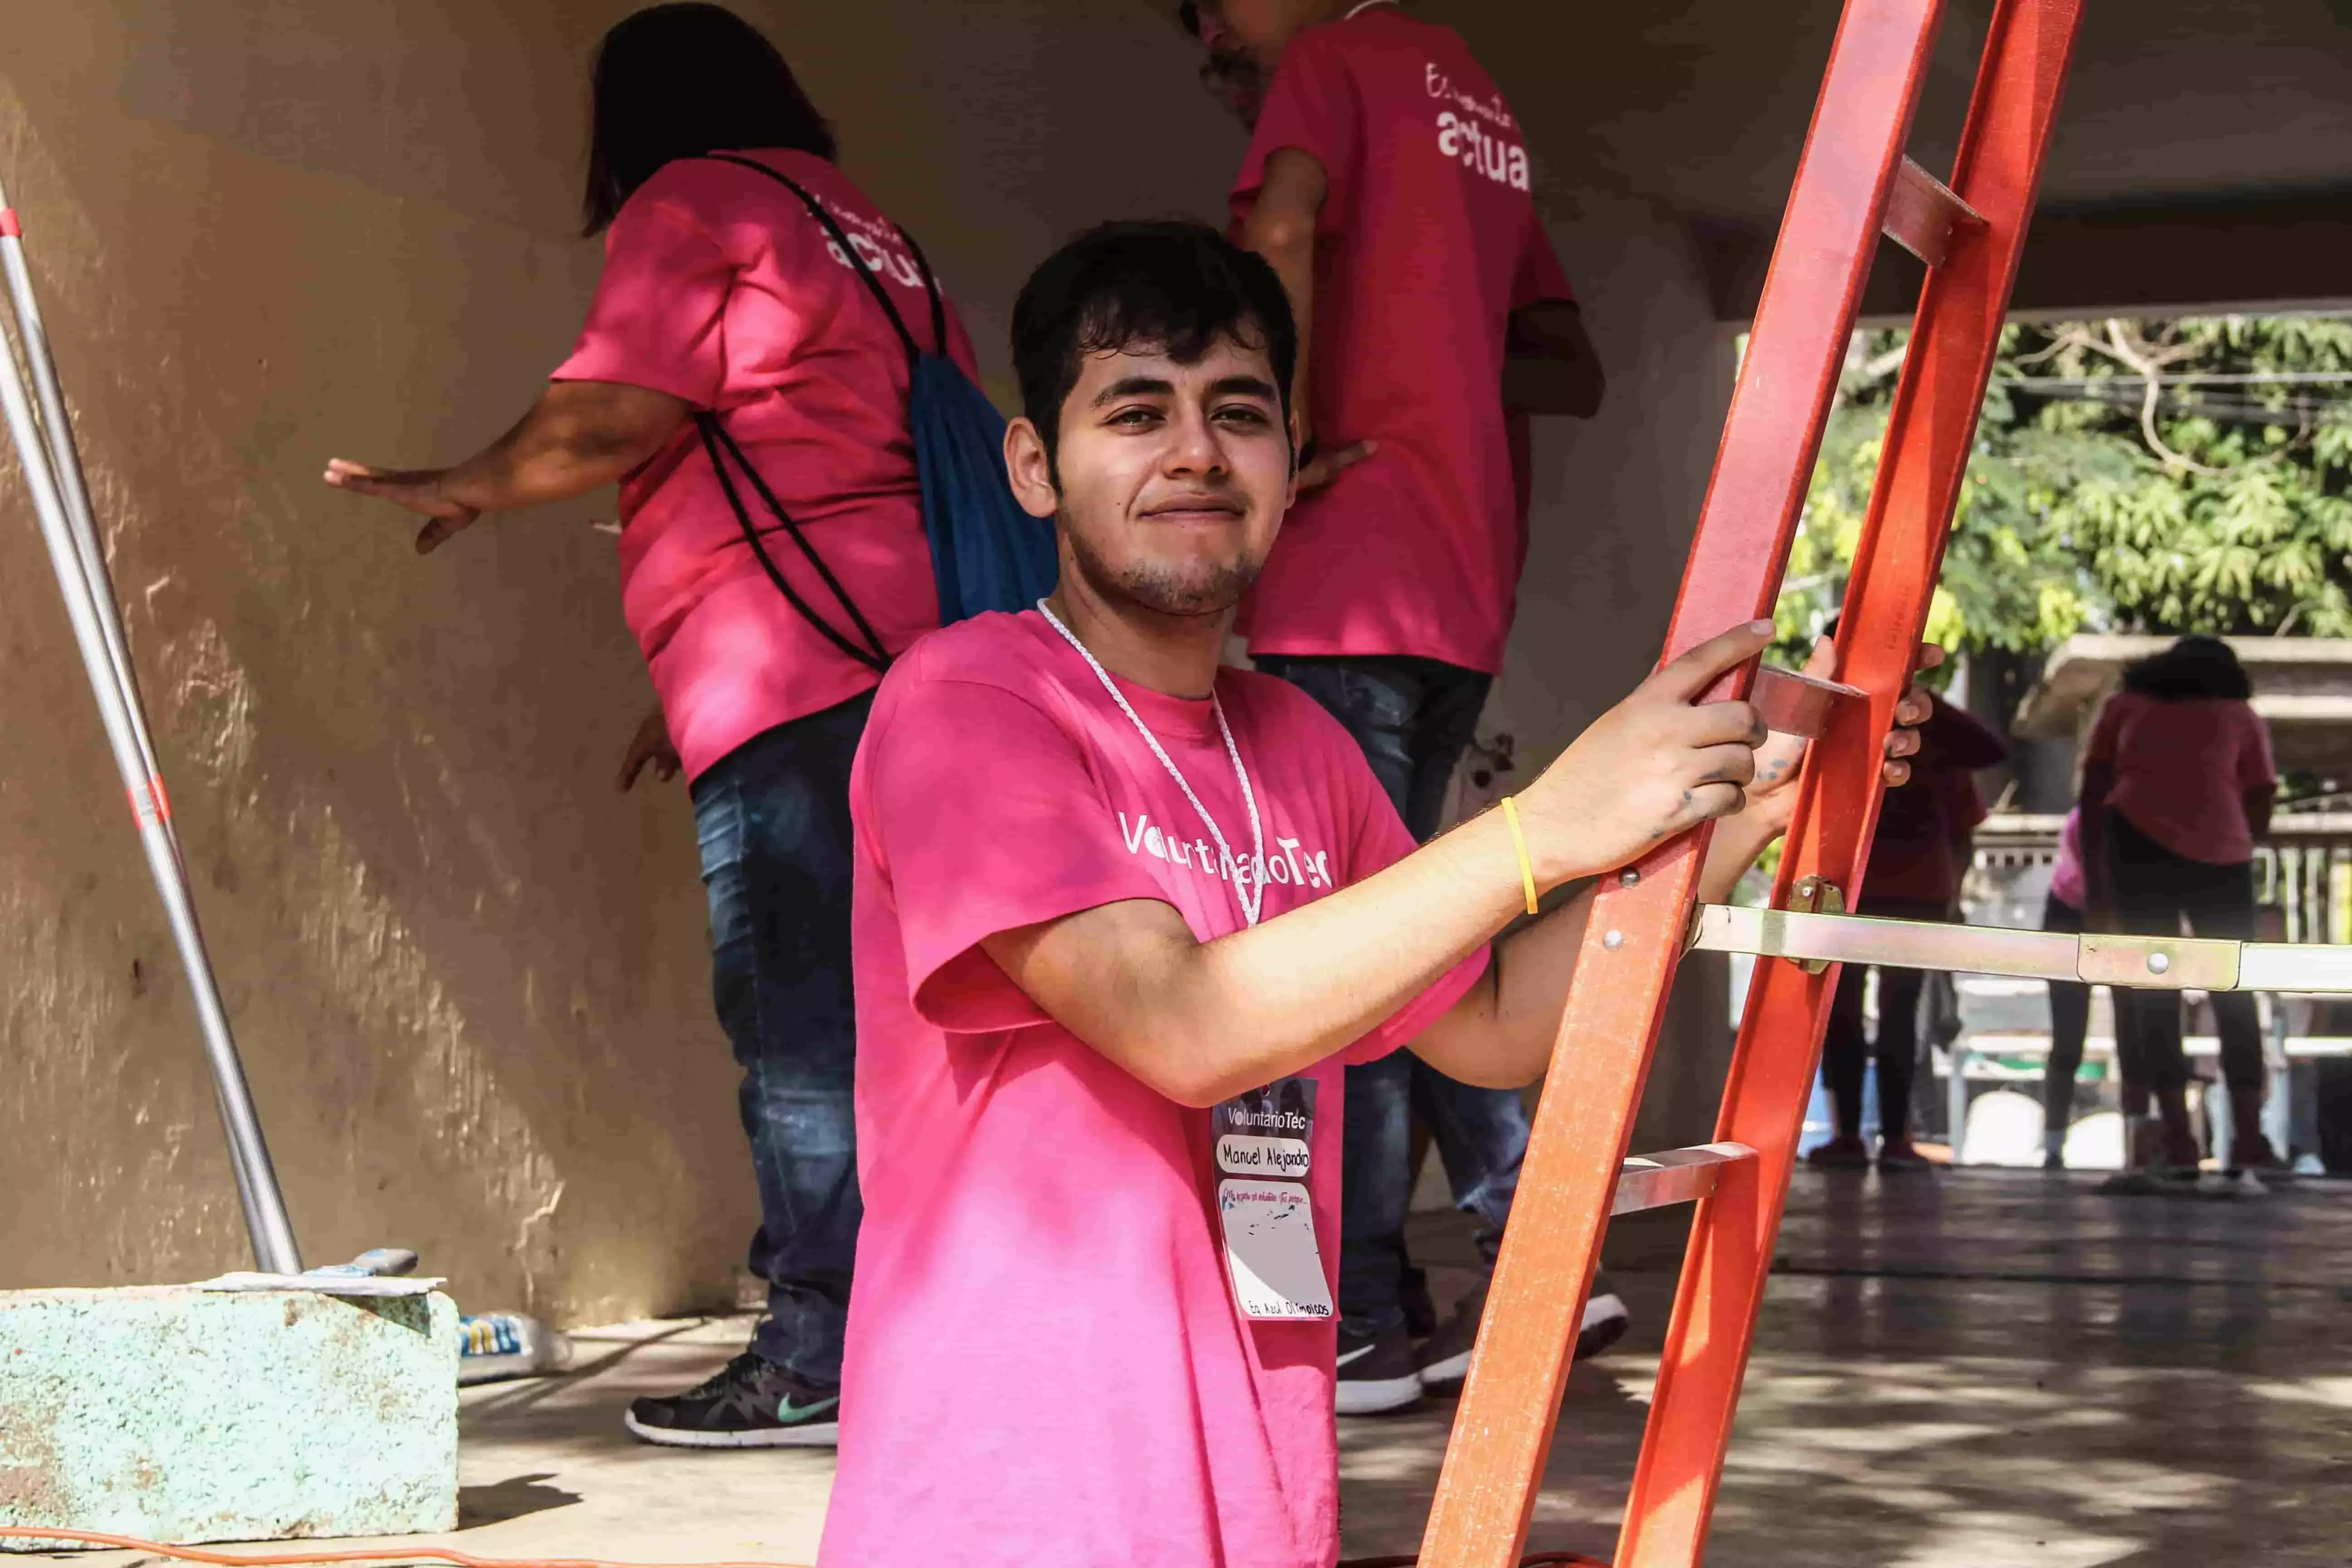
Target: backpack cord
715, 435
866, 274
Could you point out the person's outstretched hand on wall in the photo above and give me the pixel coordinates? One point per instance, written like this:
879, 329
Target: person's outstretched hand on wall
578, 436
417, 490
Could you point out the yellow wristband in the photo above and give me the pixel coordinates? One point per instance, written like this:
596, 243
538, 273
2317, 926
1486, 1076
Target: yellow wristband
1519, 842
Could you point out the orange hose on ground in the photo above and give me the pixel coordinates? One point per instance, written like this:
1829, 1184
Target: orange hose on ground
389, 1555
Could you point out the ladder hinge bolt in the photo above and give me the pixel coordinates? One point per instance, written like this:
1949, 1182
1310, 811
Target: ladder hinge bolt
2158, 962
1628, 879
1613, 940
1816, 894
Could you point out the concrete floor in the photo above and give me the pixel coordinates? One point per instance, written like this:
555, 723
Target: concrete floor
1965, 1370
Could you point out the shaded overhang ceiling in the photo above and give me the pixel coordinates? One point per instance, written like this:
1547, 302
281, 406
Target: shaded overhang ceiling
2203, 155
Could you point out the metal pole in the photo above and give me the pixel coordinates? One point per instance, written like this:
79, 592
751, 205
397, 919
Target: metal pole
65, 467
265, 1210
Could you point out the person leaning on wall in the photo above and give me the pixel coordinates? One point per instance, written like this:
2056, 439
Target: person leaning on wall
2177, 782
735, 322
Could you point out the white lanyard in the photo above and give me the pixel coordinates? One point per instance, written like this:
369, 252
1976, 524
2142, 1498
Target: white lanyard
1366, 5
1245, 877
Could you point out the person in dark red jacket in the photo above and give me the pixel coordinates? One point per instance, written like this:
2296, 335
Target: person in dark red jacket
1918, 861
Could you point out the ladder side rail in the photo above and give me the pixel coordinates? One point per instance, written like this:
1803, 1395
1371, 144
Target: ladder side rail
1956, 335
1502, 1435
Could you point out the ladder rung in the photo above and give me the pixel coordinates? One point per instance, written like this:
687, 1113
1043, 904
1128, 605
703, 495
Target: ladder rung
1675, 1177
1922, 213
1796, 704
2140, 963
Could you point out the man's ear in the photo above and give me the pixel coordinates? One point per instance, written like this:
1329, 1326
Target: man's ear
1029, 469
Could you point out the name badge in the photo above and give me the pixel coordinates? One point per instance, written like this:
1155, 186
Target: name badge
1265, 1141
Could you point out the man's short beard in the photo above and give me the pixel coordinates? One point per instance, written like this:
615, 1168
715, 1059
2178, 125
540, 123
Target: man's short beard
1165, 590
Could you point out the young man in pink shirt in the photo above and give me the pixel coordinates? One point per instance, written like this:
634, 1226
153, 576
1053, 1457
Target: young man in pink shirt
1121, 917
1390, 185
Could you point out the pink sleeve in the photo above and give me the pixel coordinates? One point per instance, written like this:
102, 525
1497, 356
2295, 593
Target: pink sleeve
2257, 768
1540, 276
1380, 842
977, 804
658, 319
1311, 106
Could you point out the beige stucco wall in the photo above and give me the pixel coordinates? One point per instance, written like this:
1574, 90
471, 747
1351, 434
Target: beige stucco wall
468, 977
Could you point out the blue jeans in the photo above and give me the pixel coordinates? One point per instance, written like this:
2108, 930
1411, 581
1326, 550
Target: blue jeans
772, 818
1413, 718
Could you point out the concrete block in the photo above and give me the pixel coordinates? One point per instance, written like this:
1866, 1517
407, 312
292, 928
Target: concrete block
186, 1415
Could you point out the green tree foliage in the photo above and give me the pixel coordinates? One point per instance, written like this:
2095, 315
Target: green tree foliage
2191, 475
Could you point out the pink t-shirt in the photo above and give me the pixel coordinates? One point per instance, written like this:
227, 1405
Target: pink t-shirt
721, 287
1428, 241
1046, 1365
2182, 771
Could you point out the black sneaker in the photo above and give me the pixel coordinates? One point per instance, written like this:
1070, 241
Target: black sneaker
752, 1404
1420, 1312
1376, 1374
1445, 1357
1604, 1318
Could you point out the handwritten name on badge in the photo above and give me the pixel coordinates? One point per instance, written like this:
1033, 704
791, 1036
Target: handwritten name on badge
1242, 1156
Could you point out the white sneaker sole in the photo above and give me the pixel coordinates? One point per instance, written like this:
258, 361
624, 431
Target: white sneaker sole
1373, 1396
814, 1435
1604, 1324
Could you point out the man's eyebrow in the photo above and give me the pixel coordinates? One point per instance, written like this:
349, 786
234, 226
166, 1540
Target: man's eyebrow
1244, 387
1135, 386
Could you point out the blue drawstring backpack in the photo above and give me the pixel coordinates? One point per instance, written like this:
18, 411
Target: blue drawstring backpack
987, 554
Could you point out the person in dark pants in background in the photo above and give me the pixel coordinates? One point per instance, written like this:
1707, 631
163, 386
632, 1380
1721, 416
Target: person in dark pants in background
2177, 782
724, 299
1918, 861
2069, 1000
1389, 187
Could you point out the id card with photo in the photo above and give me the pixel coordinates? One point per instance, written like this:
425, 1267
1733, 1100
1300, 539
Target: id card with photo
1265, 1141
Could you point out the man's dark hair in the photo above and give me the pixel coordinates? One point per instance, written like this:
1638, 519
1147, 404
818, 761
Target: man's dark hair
2194, 667
683, 81
1178, 287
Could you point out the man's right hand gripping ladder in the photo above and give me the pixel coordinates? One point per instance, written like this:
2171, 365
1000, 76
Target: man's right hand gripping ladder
1853, 183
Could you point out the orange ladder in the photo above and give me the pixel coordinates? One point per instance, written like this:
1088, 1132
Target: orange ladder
1853, 183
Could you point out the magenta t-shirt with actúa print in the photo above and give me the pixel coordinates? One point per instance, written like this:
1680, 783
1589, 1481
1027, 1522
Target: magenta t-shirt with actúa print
1428, 239
721, 287
1045, 1364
